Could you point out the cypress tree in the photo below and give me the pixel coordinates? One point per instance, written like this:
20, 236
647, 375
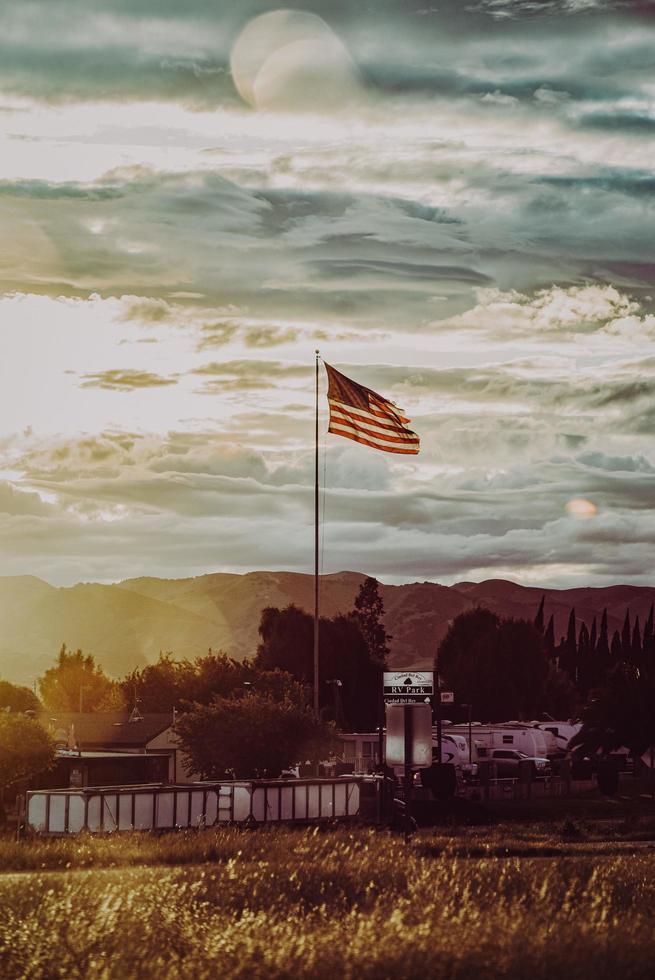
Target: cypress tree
583, 664
648, 645
648, 640
593, 637
549, 637
626, 637
616, 647
539, 618
636, 650
568, 657
603, 648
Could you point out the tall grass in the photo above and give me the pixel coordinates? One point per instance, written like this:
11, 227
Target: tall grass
348, 903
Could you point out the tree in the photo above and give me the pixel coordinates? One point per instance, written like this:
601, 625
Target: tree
616, 649
369, 613
568, 650
539, 618
161, 686
287, 645
585, 663
621, 713
593, 637
15, 698
626, 638
170, 684
648, 643
560, 698
77, 683
635, 647
499, 666
549, 637
252, 737
25, 750
287, 637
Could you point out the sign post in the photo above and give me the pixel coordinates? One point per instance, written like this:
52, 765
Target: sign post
409, 744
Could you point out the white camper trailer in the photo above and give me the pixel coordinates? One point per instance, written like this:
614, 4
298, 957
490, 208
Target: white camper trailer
560, 732
454, 748
530, 741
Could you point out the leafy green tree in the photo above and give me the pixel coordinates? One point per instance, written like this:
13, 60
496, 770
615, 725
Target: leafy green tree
349, 680
369, 613
287, 637
25, 750
252, 737
170, 684
497, 665
77, 683
159, 687
16, 698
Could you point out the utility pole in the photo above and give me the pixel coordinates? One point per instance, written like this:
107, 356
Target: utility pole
438, 718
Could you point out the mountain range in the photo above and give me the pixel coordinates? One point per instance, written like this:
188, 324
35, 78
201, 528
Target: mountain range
127, 624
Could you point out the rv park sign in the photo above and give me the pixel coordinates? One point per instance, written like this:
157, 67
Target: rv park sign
408, 686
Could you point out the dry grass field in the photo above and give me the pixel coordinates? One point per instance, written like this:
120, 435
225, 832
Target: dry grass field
510, 901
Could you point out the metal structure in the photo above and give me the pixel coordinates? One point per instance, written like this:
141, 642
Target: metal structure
111, 809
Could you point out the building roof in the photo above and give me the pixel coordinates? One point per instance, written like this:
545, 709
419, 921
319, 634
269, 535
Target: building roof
107, 729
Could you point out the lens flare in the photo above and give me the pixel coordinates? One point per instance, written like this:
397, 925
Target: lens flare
581, 508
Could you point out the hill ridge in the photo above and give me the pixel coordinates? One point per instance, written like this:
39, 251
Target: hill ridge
126, 624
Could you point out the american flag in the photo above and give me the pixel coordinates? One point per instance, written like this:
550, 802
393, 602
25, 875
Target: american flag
360, 414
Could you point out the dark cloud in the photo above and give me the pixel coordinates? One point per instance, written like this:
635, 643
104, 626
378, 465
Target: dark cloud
624, 123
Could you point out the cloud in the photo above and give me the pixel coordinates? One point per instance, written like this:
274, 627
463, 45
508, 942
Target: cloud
125, 379
468, 232
561, 310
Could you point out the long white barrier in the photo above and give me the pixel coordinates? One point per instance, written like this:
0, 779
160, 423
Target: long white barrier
166, 807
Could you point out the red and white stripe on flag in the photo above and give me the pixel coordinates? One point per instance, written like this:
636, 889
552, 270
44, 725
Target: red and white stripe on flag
360, 414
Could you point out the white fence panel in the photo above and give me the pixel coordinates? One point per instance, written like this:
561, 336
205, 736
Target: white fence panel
125, 811
143, 811
165, 807
36, 811
93, 814
110, 812
75, 813
242, 795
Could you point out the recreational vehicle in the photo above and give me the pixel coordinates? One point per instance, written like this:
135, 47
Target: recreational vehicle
485, 738
559, 734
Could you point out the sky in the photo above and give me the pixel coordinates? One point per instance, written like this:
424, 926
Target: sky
454, 202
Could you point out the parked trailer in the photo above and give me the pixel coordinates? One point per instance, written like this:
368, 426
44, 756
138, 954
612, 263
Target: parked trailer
509, 735
561, 732
198, 805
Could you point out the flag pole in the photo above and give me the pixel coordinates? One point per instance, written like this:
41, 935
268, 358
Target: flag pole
316, 610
